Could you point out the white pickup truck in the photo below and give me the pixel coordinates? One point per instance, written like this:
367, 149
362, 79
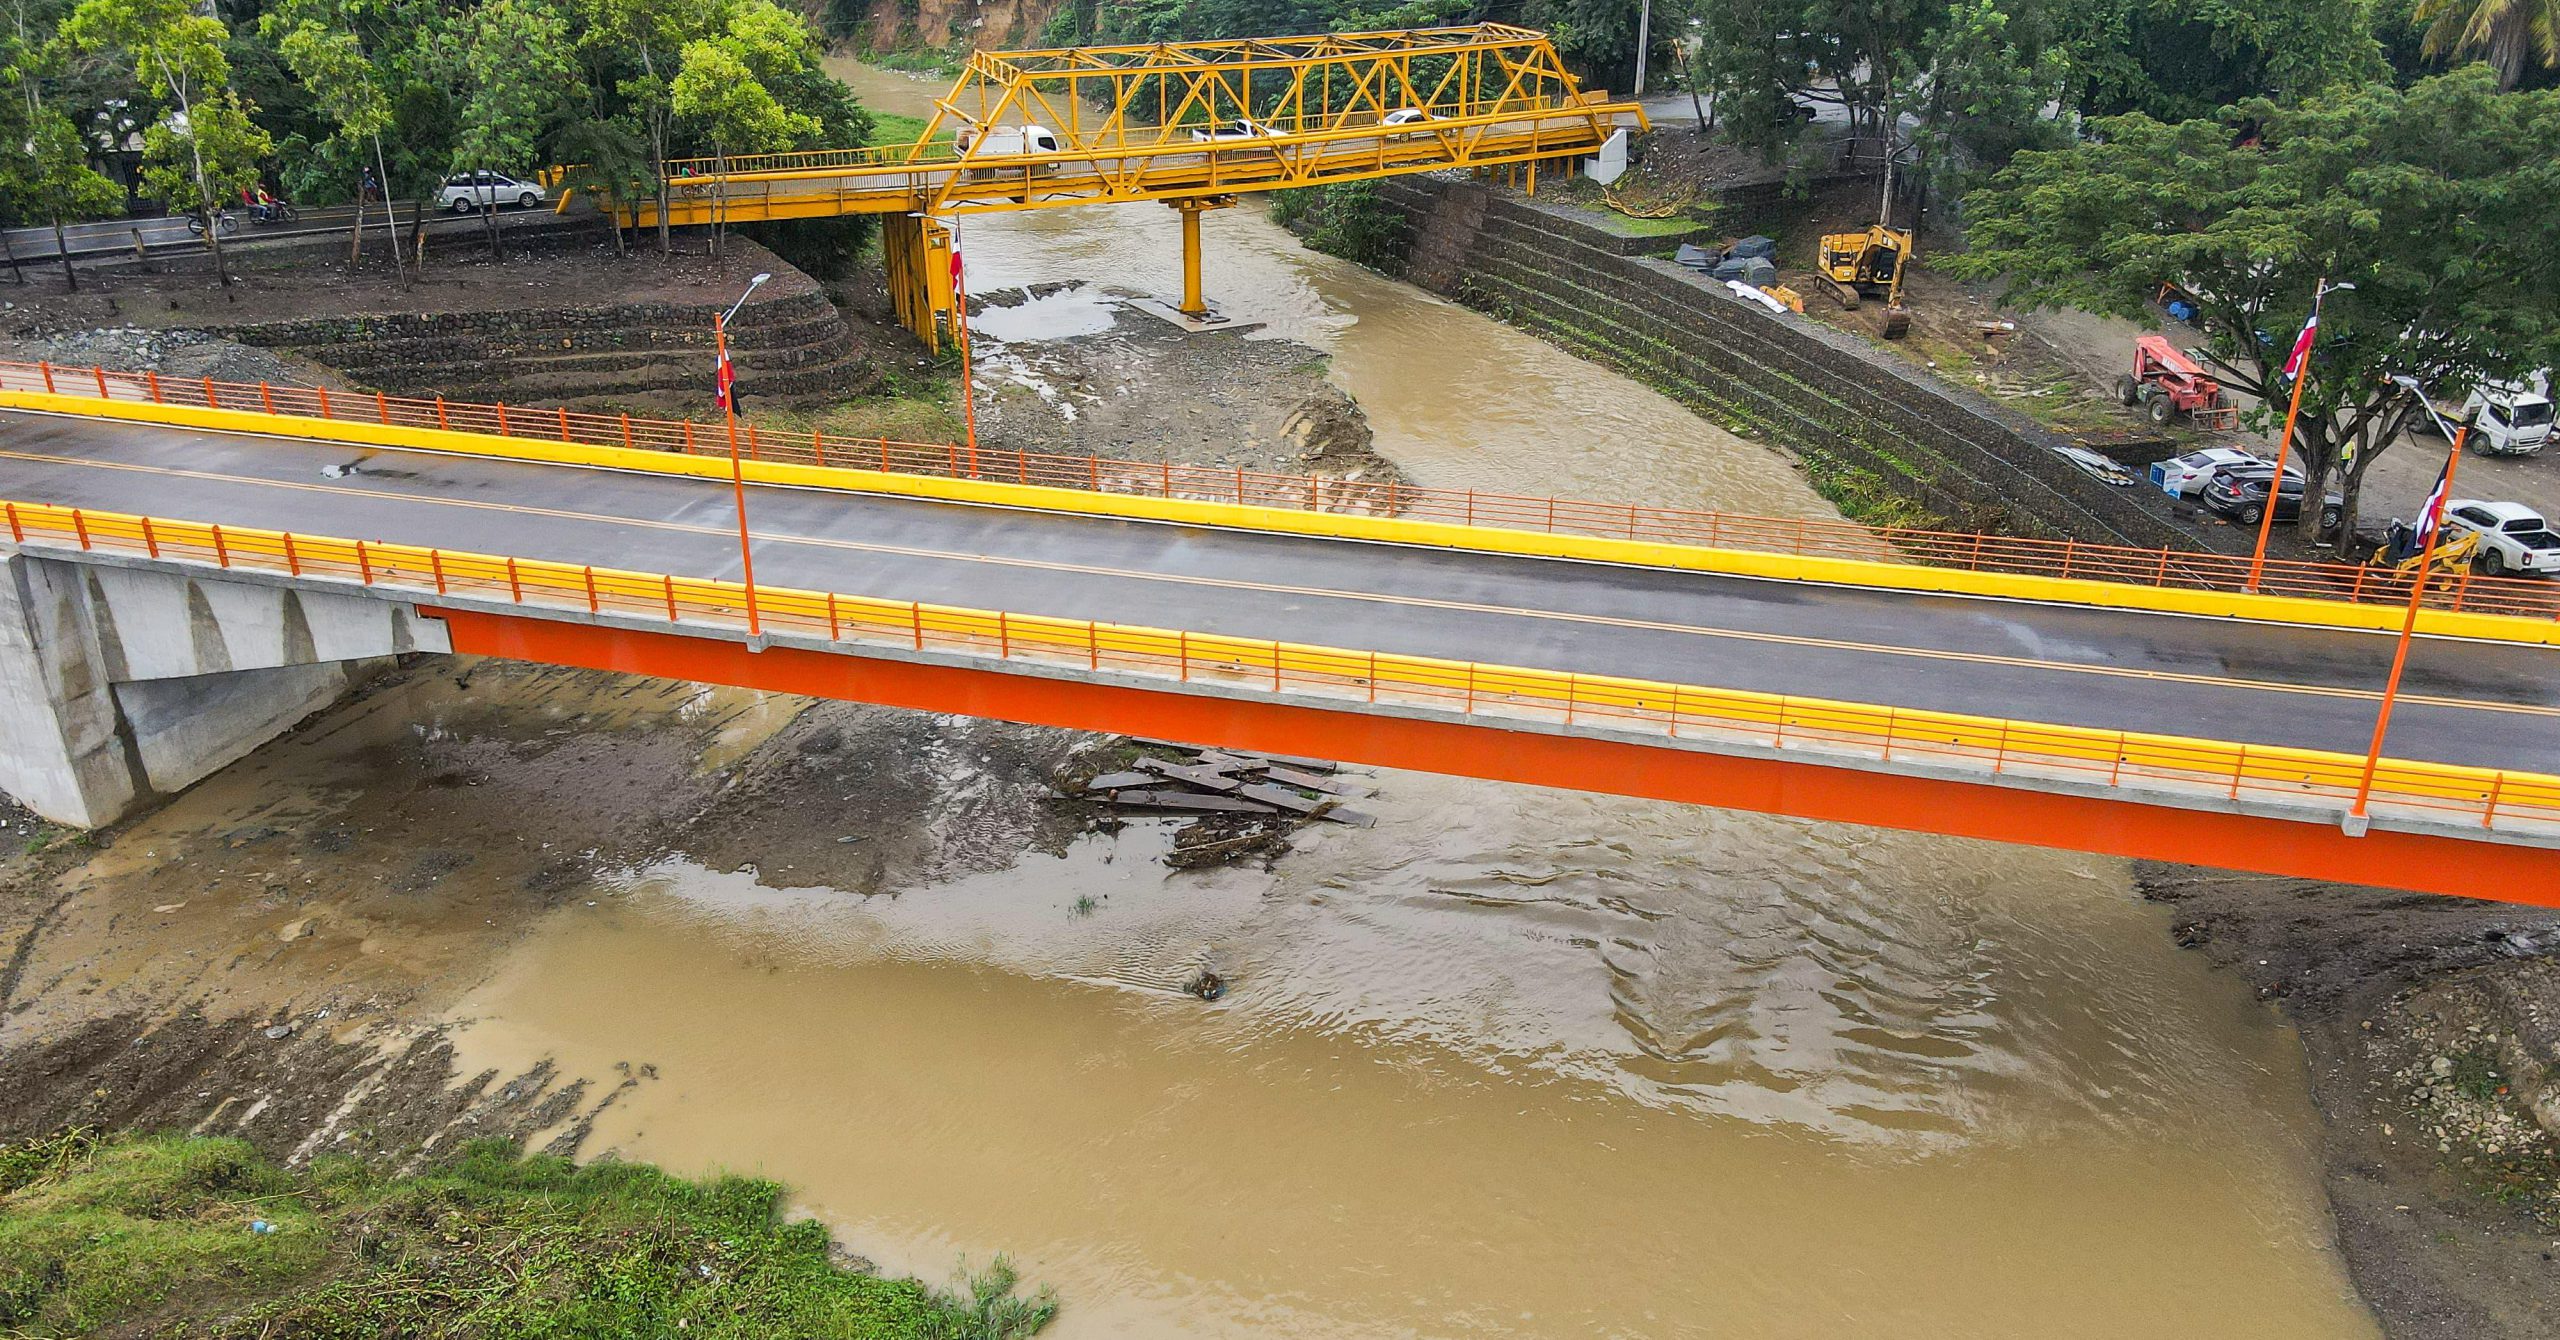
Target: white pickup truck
2513, 537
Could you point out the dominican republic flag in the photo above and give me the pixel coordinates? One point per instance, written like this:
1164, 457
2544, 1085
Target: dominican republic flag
2434, 510
2302, 345
724, 380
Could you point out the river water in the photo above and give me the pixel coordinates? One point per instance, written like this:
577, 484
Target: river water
1514, 1062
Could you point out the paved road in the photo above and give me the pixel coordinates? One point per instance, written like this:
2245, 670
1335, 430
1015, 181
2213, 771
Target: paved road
2466, 703
113, 236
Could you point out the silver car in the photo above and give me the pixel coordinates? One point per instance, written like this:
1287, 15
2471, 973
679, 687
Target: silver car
466, 191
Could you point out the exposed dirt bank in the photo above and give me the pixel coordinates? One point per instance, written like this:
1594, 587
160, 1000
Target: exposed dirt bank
2432, 1030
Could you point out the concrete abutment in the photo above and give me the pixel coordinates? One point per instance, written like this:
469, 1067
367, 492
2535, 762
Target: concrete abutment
120, 682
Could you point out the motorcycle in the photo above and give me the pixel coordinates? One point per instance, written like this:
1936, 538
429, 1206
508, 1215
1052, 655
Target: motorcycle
224, 220
274, 211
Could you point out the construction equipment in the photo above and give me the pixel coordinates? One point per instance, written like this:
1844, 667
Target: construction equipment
1866, 265
2166, 383
2400, 552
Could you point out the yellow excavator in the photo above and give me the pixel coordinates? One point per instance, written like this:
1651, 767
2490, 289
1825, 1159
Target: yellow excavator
1866, 265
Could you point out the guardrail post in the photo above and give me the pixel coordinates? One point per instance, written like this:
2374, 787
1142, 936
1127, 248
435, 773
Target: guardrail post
442, 420
1373, 677
324, 402
2000, 752
364, 566
221, 555
626, 431
150, 542
818, 446
564, 423
503, 430
592, 606
754, 448
1890, 720
80, 527
835, 626
17, 531
46, 368
1182, 653
2115, 770
151, 378
2496, 785
382, 408
2239, 766
688, 439
292, 561
884, 455
1093, 473
211, 401
515, 581
1004, 637
435, 565
102, 383
1471, 687
267, 397
915, 617
671, 599
1092, 645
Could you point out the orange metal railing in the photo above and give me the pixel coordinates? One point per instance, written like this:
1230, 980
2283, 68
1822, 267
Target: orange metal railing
2166, 767
2177, 568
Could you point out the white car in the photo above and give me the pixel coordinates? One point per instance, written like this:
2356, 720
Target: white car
2185, 476
2513, 537
1228, 131
466, 191
1406, 116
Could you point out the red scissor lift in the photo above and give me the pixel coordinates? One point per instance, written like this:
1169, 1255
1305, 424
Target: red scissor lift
2166, 383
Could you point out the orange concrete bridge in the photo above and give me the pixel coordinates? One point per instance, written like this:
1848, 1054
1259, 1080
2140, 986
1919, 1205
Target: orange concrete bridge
2105, 700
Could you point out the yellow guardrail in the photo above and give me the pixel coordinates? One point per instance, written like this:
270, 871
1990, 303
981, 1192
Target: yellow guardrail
2496, 800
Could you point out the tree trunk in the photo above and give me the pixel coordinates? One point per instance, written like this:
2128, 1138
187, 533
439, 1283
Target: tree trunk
355, 235
390, 216
489, 217
62, 248
418, 235
719, 197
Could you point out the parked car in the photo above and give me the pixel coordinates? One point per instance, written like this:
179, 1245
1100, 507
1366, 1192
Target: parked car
466, 191
1238, 129
2241, 495
2513, 537
2185, 476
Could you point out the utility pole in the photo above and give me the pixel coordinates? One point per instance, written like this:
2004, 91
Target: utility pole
1644, 42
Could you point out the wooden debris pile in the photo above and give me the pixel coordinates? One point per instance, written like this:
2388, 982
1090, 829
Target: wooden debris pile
1248, 803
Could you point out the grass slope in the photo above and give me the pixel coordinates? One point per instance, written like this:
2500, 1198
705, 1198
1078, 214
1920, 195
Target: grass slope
161, 1236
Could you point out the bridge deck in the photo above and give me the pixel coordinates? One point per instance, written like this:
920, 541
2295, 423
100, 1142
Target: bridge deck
2470, 703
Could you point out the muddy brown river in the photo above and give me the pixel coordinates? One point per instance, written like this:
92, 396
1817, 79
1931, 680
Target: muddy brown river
1513, 1062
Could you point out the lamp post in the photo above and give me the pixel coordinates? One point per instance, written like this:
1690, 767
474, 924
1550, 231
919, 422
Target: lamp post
2432, 523
737, 472
2284, 444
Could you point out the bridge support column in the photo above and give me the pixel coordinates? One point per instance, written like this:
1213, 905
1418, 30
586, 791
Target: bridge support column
1194, 305
916, 253
118, 684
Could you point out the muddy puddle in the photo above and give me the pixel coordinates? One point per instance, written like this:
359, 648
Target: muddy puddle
1513, 1062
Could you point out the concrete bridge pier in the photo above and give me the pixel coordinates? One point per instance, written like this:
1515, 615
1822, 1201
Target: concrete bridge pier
121, 681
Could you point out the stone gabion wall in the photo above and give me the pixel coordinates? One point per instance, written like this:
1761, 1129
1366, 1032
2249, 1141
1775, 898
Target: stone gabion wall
1863, 421
797, 347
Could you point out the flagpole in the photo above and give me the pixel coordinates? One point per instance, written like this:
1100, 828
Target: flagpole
968, 373
2284, 444
2434, 524
725, 379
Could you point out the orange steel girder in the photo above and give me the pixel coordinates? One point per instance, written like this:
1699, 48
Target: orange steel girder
2416, 861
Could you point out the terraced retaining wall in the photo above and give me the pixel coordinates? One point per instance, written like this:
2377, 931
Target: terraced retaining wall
1880, 436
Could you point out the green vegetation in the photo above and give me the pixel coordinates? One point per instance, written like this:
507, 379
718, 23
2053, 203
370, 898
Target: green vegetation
2433, 201
1348, 220
161, 1235
891, 129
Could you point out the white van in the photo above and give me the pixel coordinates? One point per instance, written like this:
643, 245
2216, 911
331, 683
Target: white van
2511, 419
1007, 141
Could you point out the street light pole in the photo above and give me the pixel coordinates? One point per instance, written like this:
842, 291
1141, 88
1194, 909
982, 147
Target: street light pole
2433, 522
737, 471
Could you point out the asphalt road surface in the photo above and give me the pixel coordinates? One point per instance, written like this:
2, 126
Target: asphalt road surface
2488, 704
110, 236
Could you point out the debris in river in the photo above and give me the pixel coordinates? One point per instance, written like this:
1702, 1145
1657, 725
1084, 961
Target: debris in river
1207, 985
1250, 803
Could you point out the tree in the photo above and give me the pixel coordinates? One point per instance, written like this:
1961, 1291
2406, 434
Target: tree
2505, 33
49, 177
720, 89
318, 43
207, 141
609, 160
517, 55
2433, 201
2180, 59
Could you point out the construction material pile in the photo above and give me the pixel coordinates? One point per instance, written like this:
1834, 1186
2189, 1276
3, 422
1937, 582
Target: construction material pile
1248, 803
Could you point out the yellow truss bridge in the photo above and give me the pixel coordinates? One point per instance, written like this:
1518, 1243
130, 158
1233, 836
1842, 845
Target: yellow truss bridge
1191, 124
